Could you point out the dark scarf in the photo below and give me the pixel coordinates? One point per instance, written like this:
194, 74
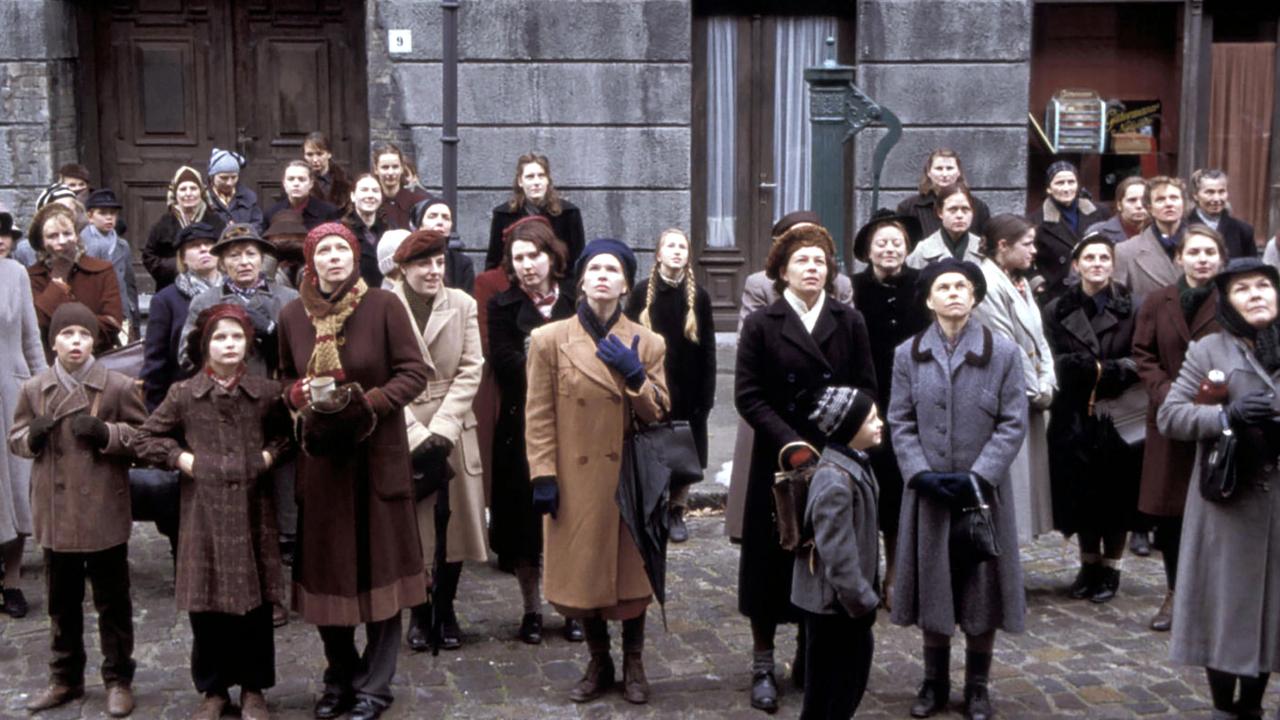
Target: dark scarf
957, 246
1192, 298
1098, 303
1070, 214
419, 306
1169, 242
592, 324
1266, 341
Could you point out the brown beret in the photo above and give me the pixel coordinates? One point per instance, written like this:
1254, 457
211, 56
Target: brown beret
420, 244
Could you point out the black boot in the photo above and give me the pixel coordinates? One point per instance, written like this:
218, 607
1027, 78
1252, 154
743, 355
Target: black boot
1108, 585
797, 663
635, 686
678, 532
447, 578
599, 675
764, 686
1086, 582
935, 691
419, 628
977, 702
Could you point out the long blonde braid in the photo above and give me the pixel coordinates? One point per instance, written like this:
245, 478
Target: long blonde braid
690, 291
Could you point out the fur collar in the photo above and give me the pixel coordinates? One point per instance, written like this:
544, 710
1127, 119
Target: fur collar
1052, 215
1073, 299
922, 354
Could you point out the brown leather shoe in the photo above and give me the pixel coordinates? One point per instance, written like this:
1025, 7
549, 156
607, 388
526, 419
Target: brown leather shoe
211, 708
1163, 620
598, 678
55, 695
253, 706
635, 687
119, 700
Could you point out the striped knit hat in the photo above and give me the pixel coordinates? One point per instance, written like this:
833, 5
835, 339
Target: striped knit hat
840, 411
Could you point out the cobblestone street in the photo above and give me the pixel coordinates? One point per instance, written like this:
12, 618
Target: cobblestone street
1075, 660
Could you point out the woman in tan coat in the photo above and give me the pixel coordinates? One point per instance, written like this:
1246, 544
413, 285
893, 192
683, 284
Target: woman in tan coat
440, 422
587, 374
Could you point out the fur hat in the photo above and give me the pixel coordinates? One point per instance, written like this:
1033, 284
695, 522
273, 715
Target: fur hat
797, 237
840, 412
72, 314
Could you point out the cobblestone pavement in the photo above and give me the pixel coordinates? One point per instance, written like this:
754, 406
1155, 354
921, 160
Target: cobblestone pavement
1075, 660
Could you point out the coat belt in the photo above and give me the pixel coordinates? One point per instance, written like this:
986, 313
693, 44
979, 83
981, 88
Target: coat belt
437, 389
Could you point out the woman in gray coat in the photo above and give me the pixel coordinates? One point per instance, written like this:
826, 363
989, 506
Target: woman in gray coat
958, 412
1226, 613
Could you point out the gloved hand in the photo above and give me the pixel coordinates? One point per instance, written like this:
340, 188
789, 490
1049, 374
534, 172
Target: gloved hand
437, 444
1250, 409
38, 432
262, 323
947, 488
546, 495
91, 430
626, 360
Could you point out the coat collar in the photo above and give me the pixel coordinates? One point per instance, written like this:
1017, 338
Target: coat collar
201, 385
1070, 312
974, 347
1052, 214
528, 317
442, 311
580, 349
934, 248
75, 402
844, 459
793, 330
1152, 259
1250, 361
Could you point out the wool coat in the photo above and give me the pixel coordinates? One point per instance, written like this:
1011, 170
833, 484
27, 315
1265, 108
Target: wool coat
488, 284
160, 254
263, 361
1094, 487
368, 235
567, 226
1112, 228
1226, 613
691, 366
397, 212
358, 558
334, 187
923, 207
1055, 240
20, 358
93, 284
757, 292
1236, 233
781, 372
576, 418
963, 411
1143, 266
116, 250
1012, 311
1160, 339
243, 208
314, 213
160, 364
80, 495
229, 547
450, 347
515, 530
933, 248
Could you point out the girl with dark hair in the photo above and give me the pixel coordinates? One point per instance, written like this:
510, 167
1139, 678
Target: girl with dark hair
365, 220
297, 181
942, 170
671, 303
398, 199
1060, 223
955, 237
331, 182
533, 193
436, 214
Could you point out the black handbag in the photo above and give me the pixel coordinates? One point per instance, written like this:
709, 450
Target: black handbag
670, 443
431, 471
1217, 467
973, 531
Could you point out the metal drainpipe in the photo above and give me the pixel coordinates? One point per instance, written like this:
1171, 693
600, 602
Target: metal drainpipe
449, 108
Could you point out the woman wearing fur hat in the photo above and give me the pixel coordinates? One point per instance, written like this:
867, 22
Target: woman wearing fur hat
186, 205
224, 429
788, 352
354, 363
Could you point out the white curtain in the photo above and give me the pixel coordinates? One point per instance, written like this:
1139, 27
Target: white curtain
722, 49
801, 43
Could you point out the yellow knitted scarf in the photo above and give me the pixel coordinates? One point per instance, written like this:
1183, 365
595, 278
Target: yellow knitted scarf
328, 316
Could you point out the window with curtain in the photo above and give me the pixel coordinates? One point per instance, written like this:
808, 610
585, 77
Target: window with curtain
722, 53
801, 43
1242, 92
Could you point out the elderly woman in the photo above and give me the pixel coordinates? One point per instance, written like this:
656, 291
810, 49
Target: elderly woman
358, 560
1168, 321
186, 205
227, 197
590, 377
958, 415
942, 171
535, 263
533, 193
1094, 473
1060, 223
787, 353
886, 294
441, 424
955, 238
1224, 614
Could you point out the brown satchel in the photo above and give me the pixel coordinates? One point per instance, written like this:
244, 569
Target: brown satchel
790, 496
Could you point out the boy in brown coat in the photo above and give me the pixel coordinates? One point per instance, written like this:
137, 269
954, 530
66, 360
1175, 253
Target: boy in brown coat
77, 420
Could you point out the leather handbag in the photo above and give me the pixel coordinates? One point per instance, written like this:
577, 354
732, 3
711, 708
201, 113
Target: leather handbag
1128, 412
1217, 467
973, 531
670, 444
790, 496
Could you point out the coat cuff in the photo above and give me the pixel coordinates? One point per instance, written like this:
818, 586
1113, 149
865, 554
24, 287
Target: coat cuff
446, 428
378, 400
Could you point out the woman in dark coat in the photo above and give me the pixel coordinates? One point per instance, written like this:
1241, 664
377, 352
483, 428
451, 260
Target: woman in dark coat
1060, 223
1228, 601
942, 170
297, 181
787, 353
459, 271
367, 224
1168, 321
535, 262
533, 193
332, 184
358, 559
672, 304
186, 205
1092, 472
886, 294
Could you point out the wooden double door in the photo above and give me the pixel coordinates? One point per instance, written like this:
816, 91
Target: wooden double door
172, 79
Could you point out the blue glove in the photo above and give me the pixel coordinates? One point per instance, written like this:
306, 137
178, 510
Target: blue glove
546, 495
626, 360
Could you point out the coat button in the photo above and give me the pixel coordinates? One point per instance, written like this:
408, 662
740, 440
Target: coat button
1062, 259
791, 407
826, 376
84, 491
581, 402
791, 377
612, 456
582, 459
233, 485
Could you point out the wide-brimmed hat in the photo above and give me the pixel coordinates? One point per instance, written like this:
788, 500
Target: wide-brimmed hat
103, 199
862, 241
1245, 266
236, 233
931, 272
8, 227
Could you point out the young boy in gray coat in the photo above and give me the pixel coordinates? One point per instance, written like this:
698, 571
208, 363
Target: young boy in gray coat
834, 581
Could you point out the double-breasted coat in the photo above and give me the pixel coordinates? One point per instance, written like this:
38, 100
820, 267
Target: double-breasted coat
229, 547
1226, 613
1160, 339
1055, 240
781, 372
576, 418
1094, 487
20, 358
92, 283
515, 530
358, 558
80, 495
959, 411
450, 347
1143, 265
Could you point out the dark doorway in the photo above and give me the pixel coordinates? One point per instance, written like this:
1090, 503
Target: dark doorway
165, 81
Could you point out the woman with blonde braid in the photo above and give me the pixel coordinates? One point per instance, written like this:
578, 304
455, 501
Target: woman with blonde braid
671, 303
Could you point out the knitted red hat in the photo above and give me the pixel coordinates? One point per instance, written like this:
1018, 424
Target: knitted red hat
321, 232
207, 320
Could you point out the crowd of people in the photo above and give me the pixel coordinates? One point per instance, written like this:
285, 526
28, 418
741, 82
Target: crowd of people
328, 386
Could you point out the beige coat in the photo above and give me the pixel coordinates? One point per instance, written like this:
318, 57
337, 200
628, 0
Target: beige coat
79, 495
934, 248
575, 420
451, 349
1143, 266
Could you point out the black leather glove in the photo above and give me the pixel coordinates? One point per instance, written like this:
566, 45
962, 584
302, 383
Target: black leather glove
546, 495
262, 323
947, 488
91, 430
437, 444
1250, 409
38, 432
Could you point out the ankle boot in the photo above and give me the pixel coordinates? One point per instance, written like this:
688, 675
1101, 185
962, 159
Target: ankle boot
1086, 582
764, 686
1163, 620
977, 702
635, 686
1108, 585
935, 690
447, 577
599, 675
419, 628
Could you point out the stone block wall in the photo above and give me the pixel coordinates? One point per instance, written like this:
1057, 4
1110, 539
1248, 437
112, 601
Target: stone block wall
38, 129
958, 75
602, 87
